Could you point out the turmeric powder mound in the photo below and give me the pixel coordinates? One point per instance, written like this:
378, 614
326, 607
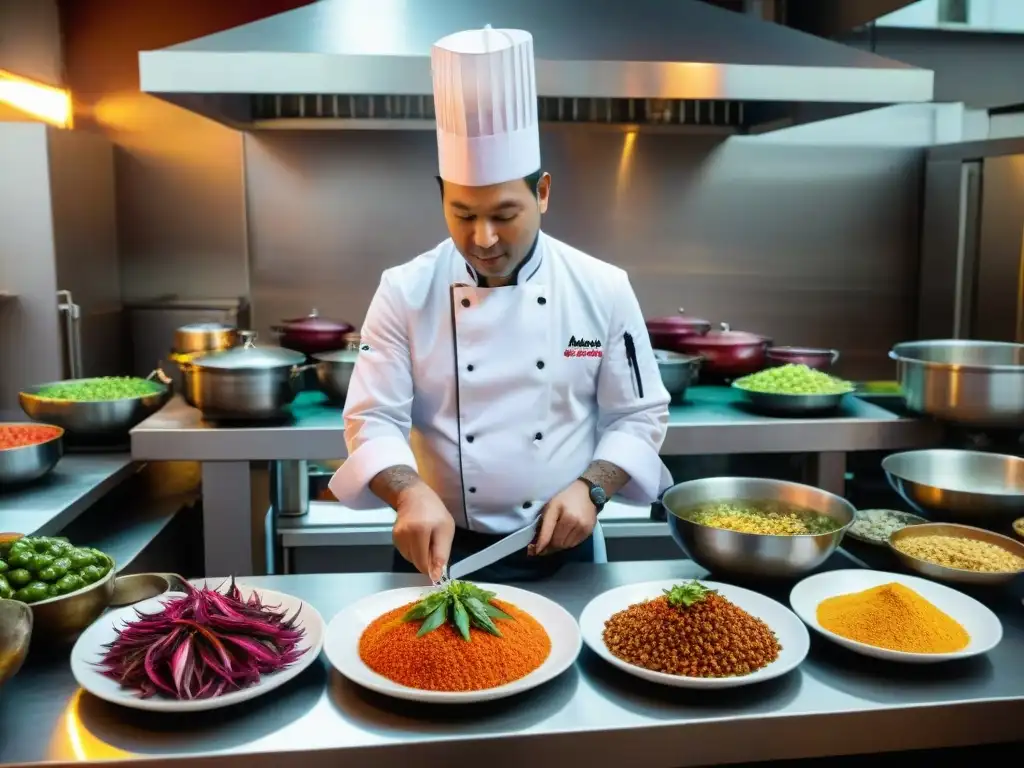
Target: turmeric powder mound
442, 660
895, 617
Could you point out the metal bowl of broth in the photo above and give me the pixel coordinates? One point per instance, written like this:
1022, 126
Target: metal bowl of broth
824, 516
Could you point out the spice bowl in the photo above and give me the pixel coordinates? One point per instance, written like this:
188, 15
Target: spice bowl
28, 463
724, 551
956, 575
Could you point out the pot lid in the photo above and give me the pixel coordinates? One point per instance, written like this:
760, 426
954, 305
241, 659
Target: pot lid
314, 322
250, 357
338, 356
205, 328
679, 322
726, 337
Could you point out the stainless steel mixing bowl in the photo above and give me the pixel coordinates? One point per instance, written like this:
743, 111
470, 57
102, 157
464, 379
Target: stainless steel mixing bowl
59, 620
102, 418
15, 636
751, 554
976, 383
334, 372
678, 372
956, 484
778, 404
955, 575
30, 462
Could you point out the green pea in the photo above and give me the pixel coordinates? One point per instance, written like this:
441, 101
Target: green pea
58, 548
6, 591
39, 562
33, 593
4, 567
100, 389
41, 544
91, 574
70, 583
21, 557
81, 558
54, 590
19, 577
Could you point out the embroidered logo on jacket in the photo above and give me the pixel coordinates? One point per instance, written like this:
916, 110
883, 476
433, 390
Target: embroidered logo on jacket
580, 347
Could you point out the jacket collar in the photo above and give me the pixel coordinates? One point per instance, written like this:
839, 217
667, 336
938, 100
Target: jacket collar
463, 273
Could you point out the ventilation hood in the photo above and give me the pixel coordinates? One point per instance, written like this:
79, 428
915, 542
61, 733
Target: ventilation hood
683, 63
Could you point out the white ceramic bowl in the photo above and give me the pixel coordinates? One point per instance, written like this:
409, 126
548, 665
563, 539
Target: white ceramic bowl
791, 633
981, 624
345, 629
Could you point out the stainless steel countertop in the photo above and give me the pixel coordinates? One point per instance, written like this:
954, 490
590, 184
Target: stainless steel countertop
835, 703
75, 484
711, 421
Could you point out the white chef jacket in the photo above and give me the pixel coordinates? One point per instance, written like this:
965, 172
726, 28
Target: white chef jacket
501, 397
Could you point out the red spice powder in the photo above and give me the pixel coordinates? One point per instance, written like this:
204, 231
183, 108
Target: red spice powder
20, 435
442, 661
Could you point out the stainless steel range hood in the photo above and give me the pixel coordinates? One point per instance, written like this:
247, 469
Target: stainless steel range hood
366, 63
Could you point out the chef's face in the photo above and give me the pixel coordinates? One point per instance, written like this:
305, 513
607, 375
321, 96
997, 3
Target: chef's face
494, 227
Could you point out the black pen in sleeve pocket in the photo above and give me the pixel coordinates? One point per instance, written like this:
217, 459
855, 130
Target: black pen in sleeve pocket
633, 363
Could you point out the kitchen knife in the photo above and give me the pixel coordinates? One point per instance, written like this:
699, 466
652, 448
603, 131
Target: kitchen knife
492, 554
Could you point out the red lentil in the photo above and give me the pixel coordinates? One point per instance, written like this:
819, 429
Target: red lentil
711, 638
442, 661
21, 435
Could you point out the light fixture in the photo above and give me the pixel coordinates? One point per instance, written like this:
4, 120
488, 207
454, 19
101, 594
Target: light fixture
50, 104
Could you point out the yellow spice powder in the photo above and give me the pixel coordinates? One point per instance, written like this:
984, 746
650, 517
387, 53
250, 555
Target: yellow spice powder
895, 617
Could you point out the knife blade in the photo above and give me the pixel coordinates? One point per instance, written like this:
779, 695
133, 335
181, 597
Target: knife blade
492, 554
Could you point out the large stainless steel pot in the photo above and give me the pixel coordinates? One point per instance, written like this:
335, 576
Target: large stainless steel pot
244, 383
334, 372
204, 337
974, 383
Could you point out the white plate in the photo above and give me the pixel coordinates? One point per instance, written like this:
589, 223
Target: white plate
345, 629
981, 624
791, 633
89, 650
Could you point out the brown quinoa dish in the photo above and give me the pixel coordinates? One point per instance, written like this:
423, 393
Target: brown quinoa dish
691, 631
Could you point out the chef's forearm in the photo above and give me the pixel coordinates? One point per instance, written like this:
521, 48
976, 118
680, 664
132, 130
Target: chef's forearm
605, 474
389, 484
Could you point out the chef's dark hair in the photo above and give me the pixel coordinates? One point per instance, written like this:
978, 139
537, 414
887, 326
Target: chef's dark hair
532, 181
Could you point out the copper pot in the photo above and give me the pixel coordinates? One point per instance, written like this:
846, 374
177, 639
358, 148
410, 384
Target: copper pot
812, 357
665, 332
313, 334
727, 353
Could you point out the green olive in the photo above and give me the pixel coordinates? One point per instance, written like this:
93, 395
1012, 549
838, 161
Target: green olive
19, 577
70, 583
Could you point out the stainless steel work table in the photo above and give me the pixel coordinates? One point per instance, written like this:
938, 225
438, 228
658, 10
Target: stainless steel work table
79, 480
835, 703
713, 420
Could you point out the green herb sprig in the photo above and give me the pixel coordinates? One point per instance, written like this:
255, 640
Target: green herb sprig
685, 595
462, 604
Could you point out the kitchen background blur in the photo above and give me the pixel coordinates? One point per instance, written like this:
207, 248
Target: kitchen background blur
852, 233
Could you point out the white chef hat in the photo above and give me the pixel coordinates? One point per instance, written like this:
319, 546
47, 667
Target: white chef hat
485, 99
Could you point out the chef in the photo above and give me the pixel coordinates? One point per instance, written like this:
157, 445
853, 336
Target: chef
504, 377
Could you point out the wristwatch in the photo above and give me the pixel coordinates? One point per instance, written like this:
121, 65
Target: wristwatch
597, 495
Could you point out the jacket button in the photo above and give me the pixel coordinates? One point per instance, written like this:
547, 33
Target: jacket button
538, 436
540, 364
541, 300
469, 438
527, 504
469, 367
472, 489
465, 302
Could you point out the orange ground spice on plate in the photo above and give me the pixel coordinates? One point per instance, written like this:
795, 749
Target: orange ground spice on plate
442, 661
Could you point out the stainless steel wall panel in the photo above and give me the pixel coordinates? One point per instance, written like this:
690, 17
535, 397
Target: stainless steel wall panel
810, 245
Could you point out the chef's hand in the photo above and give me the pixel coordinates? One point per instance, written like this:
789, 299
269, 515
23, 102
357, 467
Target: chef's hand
424, 530
566, 521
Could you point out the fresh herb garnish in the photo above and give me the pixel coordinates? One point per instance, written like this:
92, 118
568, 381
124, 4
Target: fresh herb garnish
462, 604
685, 595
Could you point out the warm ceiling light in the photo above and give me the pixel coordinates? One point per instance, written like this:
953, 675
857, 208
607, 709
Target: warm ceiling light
45, 102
